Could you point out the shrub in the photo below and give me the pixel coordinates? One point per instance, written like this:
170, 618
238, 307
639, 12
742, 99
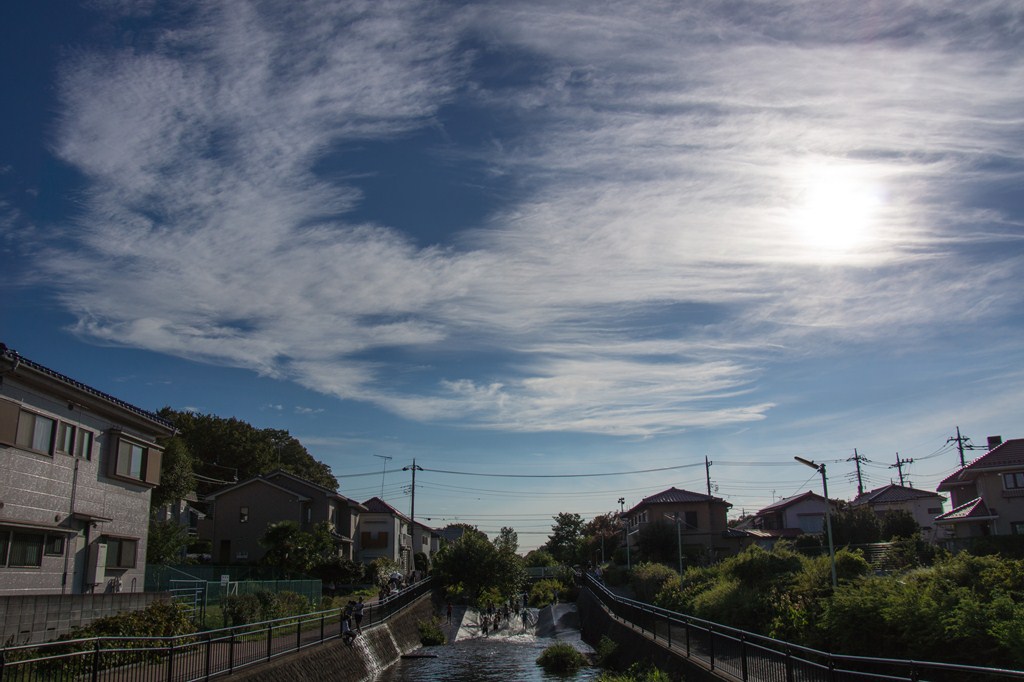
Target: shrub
648, 579
240, 609
607, 654
543, 591
562, 658
638, 672
431, 633
292, 604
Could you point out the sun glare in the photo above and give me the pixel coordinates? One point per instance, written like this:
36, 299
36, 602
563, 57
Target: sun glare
835, 212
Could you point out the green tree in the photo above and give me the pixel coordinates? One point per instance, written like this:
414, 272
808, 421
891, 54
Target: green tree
658, 541
166, 542
226, 448
899, 523
855, 526
507, 541
177, 479
602, 536
540, 558
295, 551
566, 539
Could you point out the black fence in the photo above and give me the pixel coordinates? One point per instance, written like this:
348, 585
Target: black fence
187, 658
736, 654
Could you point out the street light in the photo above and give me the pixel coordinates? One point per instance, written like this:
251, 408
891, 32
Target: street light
828, 514
679, 539
625, 530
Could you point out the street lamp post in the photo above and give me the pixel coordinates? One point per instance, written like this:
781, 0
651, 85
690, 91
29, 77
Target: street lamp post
625, 530
828, 514
679, 540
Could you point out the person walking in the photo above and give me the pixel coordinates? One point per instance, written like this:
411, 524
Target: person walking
357, 612
449, 612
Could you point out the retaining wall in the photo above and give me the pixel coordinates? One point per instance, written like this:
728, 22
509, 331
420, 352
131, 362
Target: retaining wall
633, 646
376, 649
43, 618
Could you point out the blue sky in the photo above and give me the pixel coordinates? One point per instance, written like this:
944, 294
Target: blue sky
530, 238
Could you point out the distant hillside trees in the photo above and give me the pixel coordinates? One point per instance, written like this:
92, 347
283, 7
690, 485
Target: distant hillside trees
221, 446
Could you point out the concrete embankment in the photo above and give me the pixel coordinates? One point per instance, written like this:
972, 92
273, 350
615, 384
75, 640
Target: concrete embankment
633, 645
373, 651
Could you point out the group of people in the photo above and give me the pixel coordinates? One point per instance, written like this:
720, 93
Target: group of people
493, 617
352, 620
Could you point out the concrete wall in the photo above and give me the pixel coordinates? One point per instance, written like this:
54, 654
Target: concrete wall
632, 645
36, 619
374, 650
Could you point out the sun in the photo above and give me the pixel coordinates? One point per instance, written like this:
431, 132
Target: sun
835, 211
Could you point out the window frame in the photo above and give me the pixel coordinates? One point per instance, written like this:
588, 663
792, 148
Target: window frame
1017, 479
123, 448
56, 549
13, 431
12, 546
30, 429
120, 543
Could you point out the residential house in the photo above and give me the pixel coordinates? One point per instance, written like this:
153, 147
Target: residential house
797, 515
987, 495
700, 520
385, 532
425, 539
237, 516
77, 467
923, 505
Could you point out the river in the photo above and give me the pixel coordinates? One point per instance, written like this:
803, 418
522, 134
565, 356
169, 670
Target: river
500, 657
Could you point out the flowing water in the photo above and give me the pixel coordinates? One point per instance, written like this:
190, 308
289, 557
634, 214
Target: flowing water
507, 655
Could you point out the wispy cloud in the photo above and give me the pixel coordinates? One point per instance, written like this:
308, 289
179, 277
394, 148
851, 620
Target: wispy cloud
650, 273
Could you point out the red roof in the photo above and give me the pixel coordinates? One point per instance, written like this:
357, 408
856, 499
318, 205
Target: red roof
376, 505
975, 510
1004, 456
892, 493
676, 496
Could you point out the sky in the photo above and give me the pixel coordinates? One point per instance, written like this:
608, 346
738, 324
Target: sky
557, 253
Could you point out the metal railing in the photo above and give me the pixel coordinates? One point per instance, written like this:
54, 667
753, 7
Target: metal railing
187, 658
741, 655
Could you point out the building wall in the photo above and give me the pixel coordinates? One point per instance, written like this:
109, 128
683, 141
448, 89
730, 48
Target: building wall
46, 489
44, 618
922, 509
266, 504
374, 523
806, 512
1007, 505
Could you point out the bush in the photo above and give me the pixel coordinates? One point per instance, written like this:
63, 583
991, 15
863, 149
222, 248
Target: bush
607, 654
648, 579
431, 633
292, 604
240, 609
638, 672
561, 658
543, 592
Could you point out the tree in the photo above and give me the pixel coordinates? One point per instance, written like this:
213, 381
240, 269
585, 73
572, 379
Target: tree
295, 551
899, 523
177, 479
855, 526
166, 542
540, 558
230, 449
602, 536
566, 537
658, 541
507, 541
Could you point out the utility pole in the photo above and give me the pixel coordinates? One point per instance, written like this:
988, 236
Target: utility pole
857, 459
707, 472
959, 440
625, 530
412, 511
383, 474
899, 465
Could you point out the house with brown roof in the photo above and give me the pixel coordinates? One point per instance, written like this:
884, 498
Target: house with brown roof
988, 494
237, 516
385, 532
77, 467
699, 519
923, 505
792, 516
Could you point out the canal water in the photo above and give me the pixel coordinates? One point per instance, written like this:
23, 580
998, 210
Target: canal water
500, 657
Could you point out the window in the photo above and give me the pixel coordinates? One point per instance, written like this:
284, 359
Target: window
1014, 480
35, 432
121, 552
26, 550
243, 514
1017, 528
66, 439
74, 441
935, 510
54, 545
134, 460
811, 523
691, 520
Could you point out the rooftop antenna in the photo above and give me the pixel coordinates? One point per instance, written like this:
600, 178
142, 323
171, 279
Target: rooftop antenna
383, 473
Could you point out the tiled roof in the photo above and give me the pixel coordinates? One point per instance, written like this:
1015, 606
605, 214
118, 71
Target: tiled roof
17, 360
782, 504
375, 505
892, 493
976, 509
1006, 455
676, 496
